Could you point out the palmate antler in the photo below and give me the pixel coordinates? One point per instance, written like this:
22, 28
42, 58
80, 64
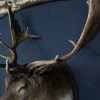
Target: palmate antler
17, 37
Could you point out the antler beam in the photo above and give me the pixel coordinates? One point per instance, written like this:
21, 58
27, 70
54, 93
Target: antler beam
21, 4
90, 30
17, 36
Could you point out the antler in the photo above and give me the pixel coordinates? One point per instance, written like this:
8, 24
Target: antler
17, 37
90, 30
22, 4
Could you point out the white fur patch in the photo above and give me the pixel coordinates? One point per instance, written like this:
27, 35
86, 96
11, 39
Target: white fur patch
67, 97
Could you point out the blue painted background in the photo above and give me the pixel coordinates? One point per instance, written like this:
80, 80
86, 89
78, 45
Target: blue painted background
58, 22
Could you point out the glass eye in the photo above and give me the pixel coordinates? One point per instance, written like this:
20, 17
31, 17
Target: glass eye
22, 89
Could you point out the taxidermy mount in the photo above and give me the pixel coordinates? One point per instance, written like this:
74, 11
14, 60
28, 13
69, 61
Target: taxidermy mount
45, 79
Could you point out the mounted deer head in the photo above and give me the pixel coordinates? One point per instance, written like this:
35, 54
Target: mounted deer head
47, 79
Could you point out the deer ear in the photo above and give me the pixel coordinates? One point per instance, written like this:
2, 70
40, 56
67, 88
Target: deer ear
35, 71
7, 80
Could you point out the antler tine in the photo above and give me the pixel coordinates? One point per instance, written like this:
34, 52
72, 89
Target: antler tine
25, 36
2, 56
11, 18
8, 48
90, 30
17, 35
5, 45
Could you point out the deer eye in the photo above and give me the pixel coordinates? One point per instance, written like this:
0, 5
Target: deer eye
22, 89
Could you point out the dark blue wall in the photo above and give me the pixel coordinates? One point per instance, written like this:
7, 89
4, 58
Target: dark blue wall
57, 23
